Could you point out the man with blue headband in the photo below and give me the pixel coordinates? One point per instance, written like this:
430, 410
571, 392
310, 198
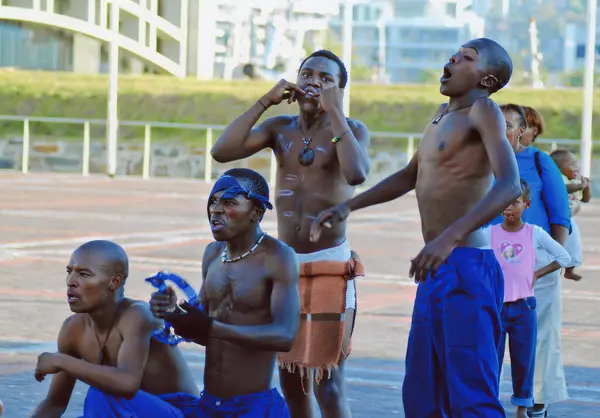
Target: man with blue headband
250, 306
321, 156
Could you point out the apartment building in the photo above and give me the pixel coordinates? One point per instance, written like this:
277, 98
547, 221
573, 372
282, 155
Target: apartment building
400, 39
406, 40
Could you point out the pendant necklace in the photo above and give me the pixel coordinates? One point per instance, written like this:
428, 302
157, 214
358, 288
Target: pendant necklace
439, 117
103, 345
224, 258
307, 155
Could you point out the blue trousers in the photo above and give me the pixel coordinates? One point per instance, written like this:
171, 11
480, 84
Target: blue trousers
452, 356
99, 404
267, 404
519, 321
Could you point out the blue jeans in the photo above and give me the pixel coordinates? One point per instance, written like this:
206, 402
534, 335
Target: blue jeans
520, 323
452, 356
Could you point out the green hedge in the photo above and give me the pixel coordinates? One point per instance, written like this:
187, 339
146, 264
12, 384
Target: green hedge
161, 98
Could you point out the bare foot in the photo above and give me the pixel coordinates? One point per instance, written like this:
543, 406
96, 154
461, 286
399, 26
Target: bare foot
521, 412
571, 275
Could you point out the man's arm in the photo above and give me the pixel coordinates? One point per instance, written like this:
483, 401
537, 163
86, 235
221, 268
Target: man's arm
555, 198
489, 122
393, 186
241, 138
390, 188
61, 387
211, 252
137, 325
279, 335
352, 148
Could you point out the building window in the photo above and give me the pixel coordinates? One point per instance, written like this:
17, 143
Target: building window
451, 9
377, 13
581, 50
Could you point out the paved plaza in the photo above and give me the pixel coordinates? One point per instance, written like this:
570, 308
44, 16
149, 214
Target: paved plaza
162, 224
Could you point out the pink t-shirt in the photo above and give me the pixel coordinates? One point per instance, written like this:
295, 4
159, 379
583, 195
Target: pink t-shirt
515, 251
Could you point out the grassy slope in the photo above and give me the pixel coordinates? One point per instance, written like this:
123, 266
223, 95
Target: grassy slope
161, 98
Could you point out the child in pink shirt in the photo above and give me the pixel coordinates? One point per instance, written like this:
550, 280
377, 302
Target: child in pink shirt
515, 244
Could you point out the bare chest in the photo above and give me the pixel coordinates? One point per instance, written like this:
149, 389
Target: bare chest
308, 171
241, 287
301, 152
453, 145
99, 348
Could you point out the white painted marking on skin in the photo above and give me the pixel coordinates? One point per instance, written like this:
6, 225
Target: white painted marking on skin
321, 149
288, 214
291, 177
285, 145
286, 193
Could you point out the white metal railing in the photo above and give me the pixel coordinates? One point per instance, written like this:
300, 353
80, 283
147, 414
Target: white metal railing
147, 154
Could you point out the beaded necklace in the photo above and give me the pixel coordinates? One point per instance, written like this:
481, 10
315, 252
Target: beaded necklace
224, 258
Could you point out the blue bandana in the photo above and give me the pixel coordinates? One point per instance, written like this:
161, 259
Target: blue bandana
232, 188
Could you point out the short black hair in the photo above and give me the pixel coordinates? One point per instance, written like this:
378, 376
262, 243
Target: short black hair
559, 155
498, 62
252, 179
330, 55
525, 190
511, 107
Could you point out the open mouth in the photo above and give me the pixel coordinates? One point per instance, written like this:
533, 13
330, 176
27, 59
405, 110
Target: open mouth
72, 298
216, 225
446, 75
311, 93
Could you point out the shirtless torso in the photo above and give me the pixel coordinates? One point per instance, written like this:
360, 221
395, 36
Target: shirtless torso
241, 294
166, 370
453, 174
302, 192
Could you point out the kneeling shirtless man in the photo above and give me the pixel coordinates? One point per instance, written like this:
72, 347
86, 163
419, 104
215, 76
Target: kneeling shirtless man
108, 344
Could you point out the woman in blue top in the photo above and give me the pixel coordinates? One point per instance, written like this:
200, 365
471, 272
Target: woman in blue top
550, 210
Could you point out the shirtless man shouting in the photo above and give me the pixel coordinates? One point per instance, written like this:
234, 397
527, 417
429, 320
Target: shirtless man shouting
321, 156
250, 302
451, 362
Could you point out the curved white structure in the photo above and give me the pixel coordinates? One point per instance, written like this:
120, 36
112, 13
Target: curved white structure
160, 41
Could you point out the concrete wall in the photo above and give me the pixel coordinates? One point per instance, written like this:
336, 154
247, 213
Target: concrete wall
202, 27
86, 51
171, 11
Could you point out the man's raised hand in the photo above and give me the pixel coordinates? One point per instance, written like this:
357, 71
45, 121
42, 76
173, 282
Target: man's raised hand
281, 91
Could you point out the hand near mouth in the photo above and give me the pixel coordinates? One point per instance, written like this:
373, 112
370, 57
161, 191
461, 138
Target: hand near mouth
332, 99
283, 90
